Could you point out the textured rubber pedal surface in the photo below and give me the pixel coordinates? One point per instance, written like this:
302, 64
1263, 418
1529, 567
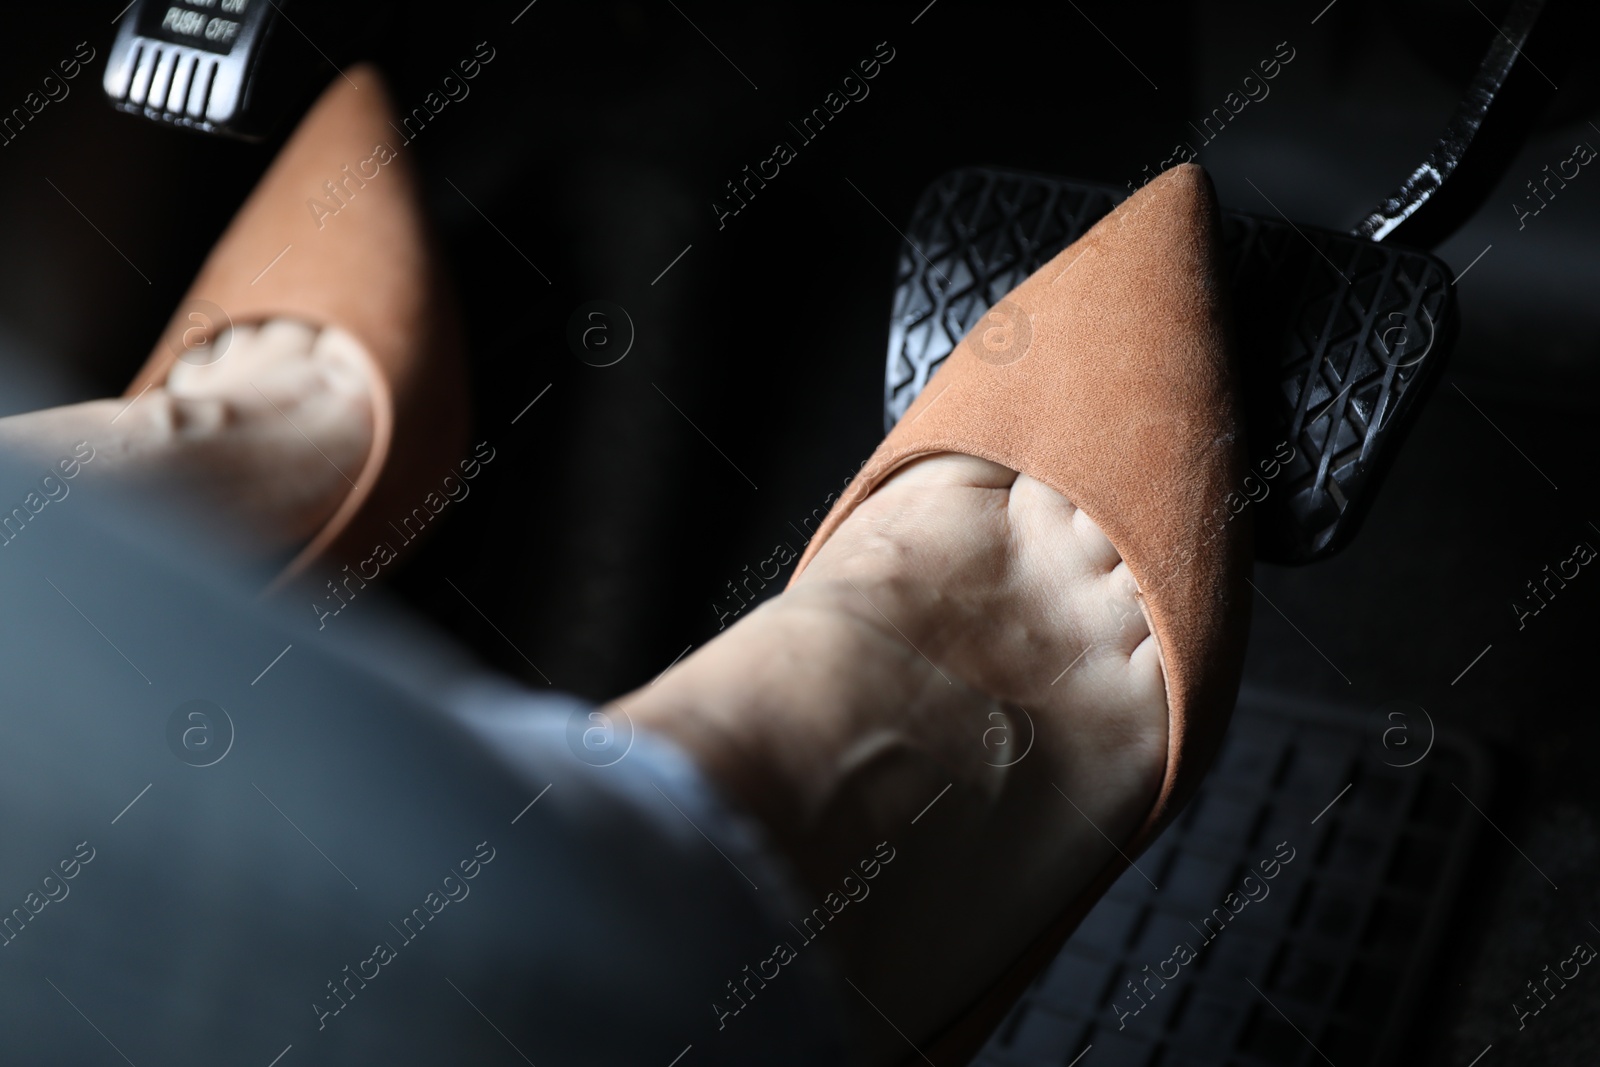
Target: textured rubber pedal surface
1337, 943
1339, 337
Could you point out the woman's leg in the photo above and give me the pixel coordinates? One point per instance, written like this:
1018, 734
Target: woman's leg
266, 438
964, 672
366, 853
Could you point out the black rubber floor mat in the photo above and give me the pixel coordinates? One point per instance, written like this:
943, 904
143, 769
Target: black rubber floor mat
1309, 882
1339, 337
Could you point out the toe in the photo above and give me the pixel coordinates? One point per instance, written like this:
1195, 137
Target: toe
342, 361
288, 337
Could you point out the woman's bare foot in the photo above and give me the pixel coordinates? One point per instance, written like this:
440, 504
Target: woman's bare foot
965, 628
269, 436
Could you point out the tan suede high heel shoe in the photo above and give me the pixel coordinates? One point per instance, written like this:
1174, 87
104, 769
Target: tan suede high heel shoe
1107, 376
334, 235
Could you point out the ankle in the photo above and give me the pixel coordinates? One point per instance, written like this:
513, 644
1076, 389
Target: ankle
822, 723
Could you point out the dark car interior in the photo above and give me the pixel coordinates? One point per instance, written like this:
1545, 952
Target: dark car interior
694, 294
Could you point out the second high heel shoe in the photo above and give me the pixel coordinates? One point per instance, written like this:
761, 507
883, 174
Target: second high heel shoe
1107, 375
334, 235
